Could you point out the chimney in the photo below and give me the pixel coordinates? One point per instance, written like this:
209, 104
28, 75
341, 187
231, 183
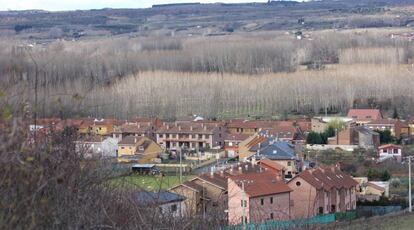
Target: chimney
168, 126
221, 173
205, 127
240, 168
191, 127
212, 171
179, 127
139, 126
135, 140
246, 167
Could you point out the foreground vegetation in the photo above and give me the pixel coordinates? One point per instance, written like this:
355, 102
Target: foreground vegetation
46, 184
393, 222
150, 183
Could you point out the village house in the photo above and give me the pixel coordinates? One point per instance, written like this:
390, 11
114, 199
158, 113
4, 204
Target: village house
257, 197
84, 126
393, 125
320, 124
262, 146
321, 191
363, 116
288, 133
167, 204
95, 146
104, 127
137, 129
371, 190
249, 127
207, 194
411, 125
360, 136
138, 149
191, 135
390, 151
195, 197
231, 143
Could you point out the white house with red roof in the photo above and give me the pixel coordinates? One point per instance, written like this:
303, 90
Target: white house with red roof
390, 151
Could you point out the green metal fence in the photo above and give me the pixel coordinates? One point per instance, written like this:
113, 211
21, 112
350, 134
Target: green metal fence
287, 224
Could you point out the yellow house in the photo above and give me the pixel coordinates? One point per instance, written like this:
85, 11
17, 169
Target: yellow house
103, 127
373, 189
138, 149
84, 126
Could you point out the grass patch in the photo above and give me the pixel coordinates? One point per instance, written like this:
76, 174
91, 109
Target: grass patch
150, 183
401, 222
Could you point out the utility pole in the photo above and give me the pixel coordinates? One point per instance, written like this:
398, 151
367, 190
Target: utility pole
181, 164
204, 202
244, 206
409, 185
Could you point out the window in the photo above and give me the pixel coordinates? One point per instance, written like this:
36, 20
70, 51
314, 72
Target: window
173, 208
220, 135
122, 147
244, 202
298, 183
262, 201
100, 128
271, 216
271, 200
395, 151
384, 150
289, 163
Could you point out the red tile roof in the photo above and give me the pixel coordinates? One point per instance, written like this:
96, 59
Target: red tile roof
188, 127
327, 178
236, 137
365, 114
272, 164
261, 184
389, 146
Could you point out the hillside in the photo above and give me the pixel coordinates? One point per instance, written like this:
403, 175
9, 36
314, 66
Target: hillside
205, 19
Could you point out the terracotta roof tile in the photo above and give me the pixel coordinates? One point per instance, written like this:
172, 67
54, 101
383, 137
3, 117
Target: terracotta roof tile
365, 114
261, 184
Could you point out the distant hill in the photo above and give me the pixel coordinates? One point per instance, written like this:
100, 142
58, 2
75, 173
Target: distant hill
192, 19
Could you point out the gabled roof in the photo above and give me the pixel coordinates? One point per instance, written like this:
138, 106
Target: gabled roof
327, 178
377, 187
130, 140
135, 128
219, 179
390, 146
276, 150
157, 198
215, 179
261, 184
271, 164
191, 185
365, 114
188, 127
236, 137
